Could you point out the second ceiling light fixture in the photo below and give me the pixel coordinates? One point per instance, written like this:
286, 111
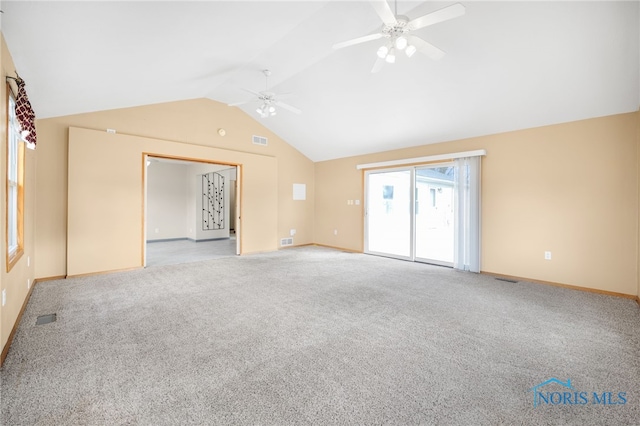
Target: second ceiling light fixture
268, 100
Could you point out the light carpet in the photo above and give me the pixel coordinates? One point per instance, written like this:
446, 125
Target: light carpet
317, 336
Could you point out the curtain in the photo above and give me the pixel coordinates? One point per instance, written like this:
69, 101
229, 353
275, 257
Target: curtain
467, 214
24, 113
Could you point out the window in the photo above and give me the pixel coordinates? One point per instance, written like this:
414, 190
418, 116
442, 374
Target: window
15, 180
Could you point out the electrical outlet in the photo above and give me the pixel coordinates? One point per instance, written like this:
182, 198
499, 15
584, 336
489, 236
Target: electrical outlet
157, 230
357, 202
292, 232
547, 255
335, 232
4, 297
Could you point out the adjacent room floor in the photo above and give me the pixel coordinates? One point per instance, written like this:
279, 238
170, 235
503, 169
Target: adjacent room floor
184, 251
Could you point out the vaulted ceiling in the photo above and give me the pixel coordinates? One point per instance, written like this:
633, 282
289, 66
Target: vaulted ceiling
508, 65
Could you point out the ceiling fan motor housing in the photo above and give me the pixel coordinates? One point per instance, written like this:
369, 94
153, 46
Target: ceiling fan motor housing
396, 30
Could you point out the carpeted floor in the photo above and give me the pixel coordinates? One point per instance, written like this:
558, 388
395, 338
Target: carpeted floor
318, 336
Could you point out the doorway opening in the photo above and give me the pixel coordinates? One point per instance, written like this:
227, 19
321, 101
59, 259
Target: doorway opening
191, 210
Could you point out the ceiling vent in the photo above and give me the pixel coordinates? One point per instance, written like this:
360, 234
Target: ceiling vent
259, 140
286, 242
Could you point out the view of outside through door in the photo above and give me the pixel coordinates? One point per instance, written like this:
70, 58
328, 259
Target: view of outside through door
391, 229
389, 213
434, 214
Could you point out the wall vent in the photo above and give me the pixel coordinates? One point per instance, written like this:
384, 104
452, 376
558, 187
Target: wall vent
259, 140
286, 242
507, 280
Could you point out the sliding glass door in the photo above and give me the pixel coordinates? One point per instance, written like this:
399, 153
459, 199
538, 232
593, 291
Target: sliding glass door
410, 213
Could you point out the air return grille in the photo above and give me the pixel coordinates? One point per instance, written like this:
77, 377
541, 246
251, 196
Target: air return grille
507, 280
259, 140
286, 242
45, 319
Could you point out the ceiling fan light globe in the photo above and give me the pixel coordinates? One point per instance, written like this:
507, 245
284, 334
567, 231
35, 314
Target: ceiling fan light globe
410, 50
391, 56
272, 109
382, 52
401, 43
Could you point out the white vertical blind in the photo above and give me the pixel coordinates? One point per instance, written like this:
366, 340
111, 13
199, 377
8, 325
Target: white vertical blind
467, 214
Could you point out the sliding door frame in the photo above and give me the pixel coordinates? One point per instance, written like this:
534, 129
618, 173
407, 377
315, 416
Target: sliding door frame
367, 173
412, 212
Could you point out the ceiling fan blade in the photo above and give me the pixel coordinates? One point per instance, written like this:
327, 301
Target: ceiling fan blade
357, 40
384, 11
426, 48
252, 92
241, 103
444, 14
377, 66
256, 94
288, 107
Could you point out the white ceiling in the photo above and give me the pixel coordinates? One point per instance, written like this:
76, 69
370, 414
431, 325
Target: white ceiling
509, 65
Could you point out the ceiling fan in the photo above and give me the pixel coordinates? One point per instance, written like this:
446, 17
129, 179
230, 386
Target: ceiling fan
397, 29
268, 100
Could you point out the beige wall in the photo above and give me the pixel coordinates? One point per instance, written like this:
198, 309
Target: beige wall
15, 281
185, 126
105, 198
571, 189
